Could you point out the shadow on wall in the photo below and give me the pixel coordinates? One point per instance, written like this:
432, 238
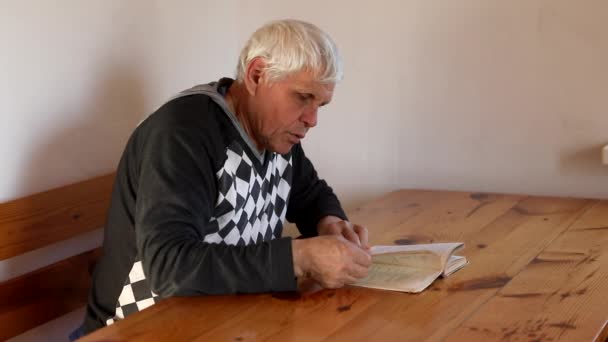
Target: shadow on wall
585, 162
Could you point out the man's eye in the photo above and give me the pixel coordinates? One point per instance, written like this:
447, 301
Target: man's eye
304, 97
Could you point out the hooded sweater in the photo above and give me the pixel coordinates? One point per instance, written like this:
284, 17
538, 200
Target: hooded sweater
197, 209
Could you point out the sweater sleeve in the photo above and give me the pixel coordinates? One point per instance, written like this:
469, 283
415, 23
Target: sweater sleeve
311, 198
176, 196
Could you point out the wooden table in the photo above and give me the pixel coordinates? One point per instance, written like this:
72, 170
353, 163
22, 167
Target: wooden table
538, 272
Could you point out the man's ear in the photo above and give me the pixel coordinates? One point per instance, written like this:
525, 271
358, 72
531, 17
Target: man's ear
254, 74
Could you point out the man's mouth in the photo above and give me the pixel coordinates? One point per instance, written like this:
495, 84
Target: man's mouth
295, 138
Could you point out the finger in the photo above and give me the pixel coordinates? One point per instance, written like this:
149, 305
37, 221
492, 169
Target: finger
361, 257
363, 235
350, 235
358, 271
331, 229
335, 284
348, 279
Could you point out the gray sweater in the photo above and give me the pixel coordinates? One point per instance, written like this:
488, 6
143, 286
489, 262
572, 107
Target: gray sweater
196, 210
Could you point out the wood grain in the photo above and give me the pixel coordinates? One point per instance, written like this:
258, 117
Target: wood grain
38, 220
602, 336
560, 294
534, 250
497, 247
48, 293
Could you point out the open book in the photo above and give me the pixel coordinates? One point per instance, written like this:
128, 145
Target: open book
411, 268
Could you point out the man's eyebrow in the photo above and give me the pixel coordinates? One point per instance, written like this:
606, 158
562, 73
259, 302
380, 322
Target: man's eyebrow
311, 94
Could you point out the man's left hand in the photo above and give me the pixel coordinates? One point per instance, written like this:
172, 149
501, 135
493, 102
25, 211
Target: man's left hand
332, 225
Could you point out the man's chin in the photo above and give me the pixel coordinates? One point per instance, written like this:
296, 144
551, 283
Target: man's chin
282, 148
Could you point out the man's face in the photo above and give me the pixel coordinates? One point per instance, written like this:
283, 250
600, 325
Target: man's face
285, 110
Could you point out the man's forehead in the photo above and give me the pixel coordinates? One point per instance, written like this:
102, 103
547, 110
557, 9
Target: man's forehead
316, 88
311, 85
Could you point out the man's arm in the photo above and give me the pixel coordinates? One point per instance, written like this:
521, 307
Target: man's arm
314, 207
311, 198
175, 201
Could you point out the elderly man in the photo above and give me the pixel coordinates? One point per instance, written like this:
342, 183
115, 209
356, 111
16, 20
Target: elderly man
206, 183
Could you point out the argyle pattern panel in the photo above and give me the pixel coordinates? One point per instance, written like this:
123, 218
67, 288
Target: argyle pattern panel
135, 296
250, 208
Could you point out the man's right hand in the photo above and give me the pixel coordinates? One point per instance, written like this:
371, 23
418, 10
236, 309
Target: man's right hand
330, 260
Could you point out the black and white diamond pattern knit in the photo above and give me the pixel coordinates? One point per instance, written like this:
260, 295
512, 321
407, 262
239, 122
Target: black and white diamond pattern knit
250, 208
135, 296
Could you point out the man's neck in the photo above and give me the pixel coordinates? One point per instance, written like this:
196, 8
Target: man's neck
236, 99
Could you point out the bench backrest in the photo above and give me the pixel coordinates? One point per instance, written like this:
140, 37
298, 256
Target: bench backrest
36, 221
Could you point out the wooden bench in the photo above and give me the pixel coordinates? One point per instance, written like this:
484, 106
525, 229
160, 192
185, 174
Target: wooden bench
39, 220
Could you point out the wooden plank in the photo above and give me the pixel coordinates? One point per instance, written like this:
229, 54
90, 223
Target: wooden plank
55, 215
439, 216
241, 317
503, 234
560, 295
212, 310
326, 311
48, 293
496, 250
388, 219
602, 336
595, 218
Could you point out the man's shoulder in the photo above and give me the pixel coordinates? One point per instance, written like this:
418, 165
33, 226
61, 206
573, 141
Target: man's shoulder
197, 111
194, 120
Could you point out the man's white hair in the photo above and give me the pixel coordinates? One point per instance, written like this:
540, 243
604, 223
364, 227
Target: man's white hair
288, 46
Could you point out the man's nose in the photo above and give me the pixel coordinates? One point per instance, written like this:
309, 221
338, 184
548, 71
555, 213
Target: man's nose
309, 117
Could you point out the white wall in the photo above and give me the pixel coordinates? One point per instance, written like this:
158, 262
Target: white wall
193, 42
504, 96
470, 95
77, 77
70, 91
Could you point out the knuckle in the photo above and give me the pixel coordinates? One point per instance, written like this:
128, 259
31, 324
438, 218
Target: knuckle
336, 284
344, 269
343, 247
334, 229
333, 282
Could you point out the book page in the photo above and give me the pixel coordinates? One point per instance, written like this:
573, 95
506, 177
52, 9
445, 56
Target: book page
437, 248
423, 260
443, 250
455, 263
411, 268
398, 278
